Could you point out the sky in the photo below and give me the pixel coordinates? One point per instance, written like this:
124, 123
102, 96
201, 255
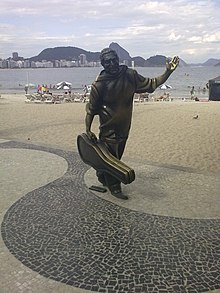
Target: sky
187, 28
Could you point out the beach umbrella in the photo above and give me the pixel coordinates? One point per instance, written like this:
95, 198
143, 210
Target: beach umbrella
65, 87
30, 85
63, 83
165, 87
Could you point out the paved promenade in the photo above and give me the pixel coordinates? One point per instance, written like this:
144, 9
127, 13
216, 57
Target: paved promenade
59, 236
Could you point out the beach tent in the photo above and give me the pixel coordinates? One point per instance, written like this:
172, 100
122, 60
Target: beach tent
214, 89
30, 85
64, 85
165, 87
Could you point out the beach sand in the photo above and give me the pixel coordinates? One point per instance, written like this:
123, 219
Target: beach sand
161, 133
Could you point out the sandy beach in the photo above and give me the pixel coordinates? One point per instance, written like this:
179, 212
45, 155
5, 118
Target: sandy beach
162, 132
51, 220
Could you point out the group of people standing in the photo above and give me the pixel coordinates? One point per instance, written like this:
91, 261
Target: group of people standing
193, 92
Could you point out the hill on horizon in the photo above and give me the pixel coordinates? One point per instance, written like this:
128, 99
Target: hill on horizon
65, 53
72, 53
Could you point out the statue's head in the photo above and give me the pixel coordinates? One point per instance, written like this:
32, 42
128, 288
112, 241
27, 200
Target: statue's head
110, 61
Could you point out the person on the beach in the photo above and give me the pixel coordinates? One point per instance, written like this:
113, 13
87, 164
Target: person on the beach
26, 89
85, 89
192, 93
111, 98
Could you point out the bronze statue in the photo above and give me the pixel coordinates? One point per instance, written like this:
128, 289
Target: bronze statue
111, 98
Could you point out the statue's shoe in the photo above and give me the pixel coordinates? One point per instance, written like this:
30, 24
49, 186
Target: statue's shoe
116, 191
102, 180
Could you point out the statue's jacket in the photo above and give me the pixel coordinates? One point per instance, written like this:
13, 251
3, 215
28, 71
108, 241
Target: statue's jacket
111, 98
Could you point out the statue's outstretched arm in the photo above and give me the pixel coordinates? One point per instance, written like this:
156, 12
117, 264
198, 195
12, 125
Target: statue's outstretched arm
171, 65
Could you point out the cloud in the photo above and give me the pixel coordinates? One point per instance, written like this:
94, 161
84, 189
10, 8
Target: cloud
174, 37
141, 27
212, 38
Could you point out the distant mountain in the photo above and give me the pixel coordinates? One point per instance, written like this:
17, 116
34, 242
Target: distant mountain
138, 61
160, 60
218, 64
72, 53
183, 63
66, 53
156, 61
211, 62
122, 53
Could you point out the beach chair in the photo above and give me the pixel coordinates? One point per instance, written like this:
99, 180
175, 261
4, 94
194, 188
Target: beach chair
49, 99
67, 99
30, 98
77, 98
39, 99
57, 99
137, 98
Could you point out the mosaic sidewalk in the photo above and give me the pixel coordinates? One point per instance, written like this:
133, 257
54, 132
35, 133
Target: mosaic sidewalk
63, 237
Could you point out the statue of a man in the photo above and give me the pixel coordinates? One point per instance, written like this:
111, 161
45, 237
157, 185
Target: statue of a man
111, 98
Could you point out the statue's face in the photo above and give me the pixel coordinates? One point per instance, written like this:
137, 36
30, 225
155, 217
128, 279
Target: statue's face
111, 63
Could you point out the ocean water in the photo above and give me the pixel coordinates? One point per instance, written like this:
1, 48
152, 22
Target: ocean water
14, 80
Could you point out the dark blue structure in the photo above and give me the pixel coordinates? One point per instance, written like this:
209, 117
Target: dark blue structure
214, 89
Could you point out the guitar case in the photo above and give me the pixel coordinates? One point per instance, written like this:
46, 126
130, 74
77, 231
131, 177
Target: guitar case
97, 155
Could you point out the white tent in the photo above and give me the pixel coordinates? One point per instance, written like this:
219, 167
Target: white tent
64, 85
165, 87
30, 85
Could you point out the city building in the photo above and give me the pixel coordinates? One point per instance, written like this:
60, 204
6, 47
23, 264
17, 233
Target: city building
15, 56
82, 59
20, 62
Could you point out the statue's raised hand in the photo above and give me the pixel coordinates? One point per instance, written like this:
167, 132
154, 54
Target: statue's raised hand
171, 64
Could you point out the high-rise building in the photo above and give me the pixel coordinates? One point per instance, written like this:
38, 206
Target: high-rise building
82, 59
15, 56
